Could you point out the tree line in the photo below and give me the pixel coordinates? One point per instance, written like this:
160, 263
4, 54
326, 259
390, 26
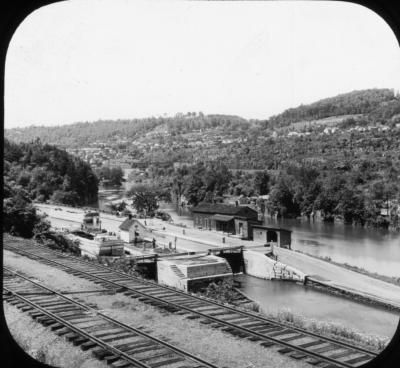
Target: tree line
40, 172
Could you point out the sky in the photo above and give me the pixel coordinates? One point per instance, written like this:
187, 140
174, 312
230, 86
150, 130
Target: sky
84, 60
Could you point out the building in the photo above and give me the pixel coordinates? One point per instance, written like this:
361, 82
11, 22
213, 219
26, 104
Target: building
192, 272
271, 235
230, 219
130, 230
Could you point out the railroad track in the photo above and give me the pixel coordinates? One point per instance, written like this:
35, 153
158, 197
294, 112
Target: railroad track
117, 343
299, 344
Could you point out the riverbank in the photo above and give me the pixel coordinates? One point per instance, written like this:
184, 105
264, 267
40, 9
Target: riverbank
340, 278
393, 280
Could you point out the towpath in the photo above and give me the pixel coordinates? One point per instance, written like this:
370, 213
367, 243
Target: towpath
340, 277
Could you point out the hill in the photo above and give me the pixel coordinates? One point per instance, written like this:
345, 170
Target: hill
44, 172
373, 104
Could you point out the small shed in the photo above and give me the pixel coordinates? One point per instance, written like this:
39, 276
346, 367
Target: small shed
129, 230
265, 234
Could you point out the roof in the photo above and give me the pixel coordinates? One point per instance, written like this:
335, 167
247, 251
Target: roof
91, 214
126, 225
270, 228
223, 209
224, 218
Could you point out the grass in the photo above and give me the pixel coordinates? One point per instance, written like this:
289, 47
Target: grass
328, 329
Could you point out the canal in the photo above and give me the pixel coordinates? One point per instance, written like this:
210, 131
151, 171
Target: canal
274, 296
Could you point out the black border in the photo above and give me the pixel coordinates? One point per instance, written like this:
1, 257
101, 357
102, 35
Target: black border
12, 13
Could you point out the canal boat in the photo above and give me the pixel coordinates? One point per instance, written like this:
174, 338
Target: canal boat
94, 245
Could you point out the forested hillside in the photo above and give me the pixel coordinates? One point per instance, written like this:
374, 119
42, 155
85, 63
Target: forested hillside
373, 104
45, 172
78, 134
339, 155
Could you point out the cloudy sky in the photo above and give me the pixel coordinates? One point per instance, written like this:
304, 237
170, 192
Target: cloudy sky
83, 60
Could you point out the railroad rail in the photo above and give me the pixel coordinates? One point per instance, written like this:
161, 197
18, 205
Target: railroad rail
296, 342
118, 344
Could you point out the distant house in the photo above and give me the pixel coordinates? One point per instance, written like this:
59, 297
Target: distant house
223, 217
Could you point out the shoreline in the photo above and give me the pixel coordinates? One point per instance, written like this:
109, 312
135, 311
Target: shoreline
355, 297
363, 271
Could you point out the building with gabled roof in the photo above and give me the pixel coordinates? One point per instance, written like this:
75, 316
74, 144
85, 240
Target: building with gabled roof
224, 217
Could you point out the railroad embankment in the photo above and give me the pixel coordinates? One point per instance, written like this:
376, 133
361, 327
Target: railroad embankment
189, 334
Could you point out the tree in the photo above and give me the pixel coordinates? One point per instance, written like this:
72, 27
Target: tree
281, 200
144, 199
111, 176
19, 215
262, 182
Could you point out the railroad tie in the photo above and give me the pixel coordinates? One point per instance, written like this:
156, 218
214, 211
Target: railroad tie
267, 344
167, 362
88, 345
56, 326
101, 353
312, 343
313, 361
120, 337
120, 364
49, 322
285, 350
160, 355
63, 331
297, 355
80, 340
358, 359
111, 358
72, 336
